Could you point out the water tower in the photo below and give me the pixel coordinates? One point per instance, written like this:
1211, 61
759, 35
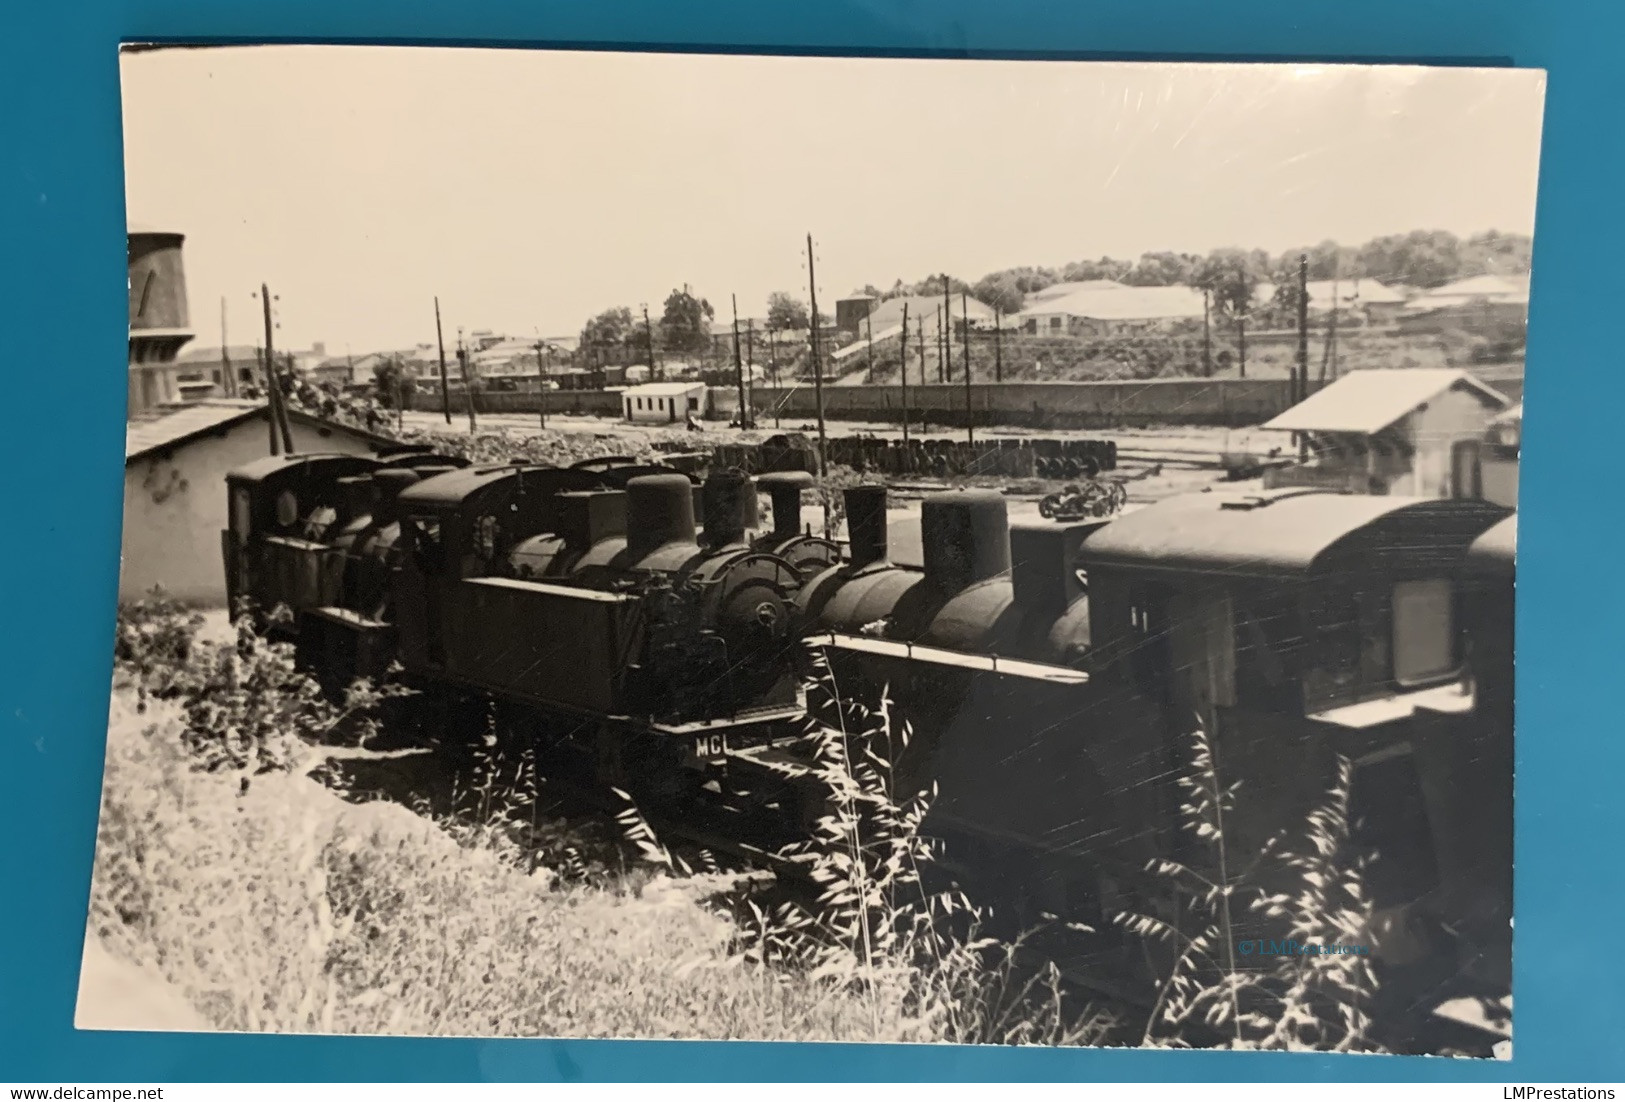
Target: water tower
158, 318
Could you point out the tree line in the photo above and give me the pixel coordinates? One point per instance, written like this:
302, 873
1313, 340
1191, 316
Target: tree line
1232, 276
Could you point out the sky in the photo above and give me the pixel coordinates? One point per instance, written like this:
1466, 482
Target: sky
530, 190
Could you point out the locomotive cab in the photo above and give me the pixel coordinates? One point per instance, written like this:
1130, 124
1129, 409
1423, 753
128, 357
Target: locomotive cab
271, 501
1295, 627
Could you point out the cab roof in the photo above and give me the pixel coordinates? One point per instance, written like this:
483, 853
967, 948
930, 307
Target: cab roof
1275, 533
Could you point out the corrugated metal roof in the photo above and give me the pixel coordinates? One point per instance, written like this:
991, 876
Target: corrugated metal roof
170, 426
1367, 402
1061, 290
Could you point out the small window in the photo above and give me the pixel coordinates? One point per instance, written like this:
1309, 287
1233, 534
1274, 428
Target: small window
287, 509
1055, 324
242, 514
693, 404
1424, 631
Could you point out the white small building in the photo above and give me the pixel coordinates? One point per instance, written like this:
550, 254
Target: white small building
664, 403
1407, 431
175, 466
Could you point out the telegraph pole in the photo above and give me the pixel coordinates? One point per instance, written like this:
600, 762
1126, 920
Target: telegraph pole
228, 382
1207, 335
649, 335
870, 326
998, 345
400, 393
921, 327
948, 323
970, 414
445, 387
902, 369
278, 411
541, 378
942, 362
468, 383
773, 367
739, 370
1300, 377
818, 371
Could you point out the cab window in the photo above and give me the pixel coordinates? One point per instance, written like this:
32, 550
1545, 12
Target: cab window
1424, 631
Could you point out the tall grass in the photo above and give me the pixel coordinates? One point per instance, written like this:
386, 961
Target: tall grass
879, 927
278, 906
1315, 896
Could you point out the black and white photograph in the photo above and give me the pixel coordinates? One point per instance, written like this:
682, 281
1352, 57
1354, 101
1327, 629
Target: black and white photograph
726, 547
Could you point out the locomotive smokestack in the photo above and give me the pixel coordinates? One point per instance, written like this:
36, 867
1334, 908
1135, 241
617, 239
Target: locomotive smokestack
389, 485
966, 537
357, 494
866, 524
785, 489
659, 510
730, 507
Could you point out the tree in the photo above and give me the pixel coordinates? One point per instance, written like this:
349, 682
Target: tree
1002, 291
685, 326
1421, 258
1104, 268
608, 330
1230, 278
388, 377
786, 312
1162, 270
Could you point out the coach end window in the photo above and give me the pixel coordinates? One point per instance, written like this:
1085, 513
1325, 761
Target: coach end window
1424, 632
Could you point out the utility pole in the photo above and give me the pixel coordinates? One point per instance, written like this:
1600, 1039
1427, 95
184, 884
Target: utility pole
541, 378
278, 411
942, 368
1330, 357
870, 325
468, 382
1207, 333
1300, 376
649, 335
227, 381
902, 369
750, 352
1241, 339
948, 323
739, 370
445, 387
921, 329
773, 368
970, 414
998, 345
400, 393
818, 371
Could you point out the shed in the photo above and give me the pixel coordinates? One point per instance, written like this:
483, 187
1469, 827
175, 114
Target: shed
1389, 431
664, 403
175, 466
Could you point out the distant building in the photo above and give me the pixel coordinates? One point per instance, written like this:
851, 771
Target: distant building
664, 403
851, 310
1487, 468
1493, 307
1357, 300
175, 464
1097, 305
1389, 432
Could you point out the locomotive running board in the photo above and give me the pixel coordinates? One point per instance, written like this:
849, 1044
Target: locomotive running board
914, 652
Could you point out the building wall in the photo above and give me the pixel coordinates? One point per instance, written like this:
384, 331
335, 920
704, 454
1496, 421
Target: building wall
1459, 414
1498, 480
175, 508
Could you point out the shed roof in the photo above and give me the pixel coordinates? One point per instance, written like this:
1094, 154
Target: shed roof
1369, 401
172, 426
656, 390
1280, 532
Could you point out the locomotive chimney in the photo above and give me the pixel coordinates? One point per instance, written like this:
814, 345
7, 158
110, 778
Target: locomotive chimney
1044, 562
389, 485
659, 510
785, 489
730, 507
966, 538
866, 524
357, 494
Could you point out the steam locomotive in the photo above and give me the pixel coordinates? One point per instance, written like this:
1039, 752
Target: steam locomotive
1052, 672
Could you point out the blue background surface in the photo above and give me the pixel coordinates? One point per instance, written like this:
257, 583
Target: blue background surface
65, 317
